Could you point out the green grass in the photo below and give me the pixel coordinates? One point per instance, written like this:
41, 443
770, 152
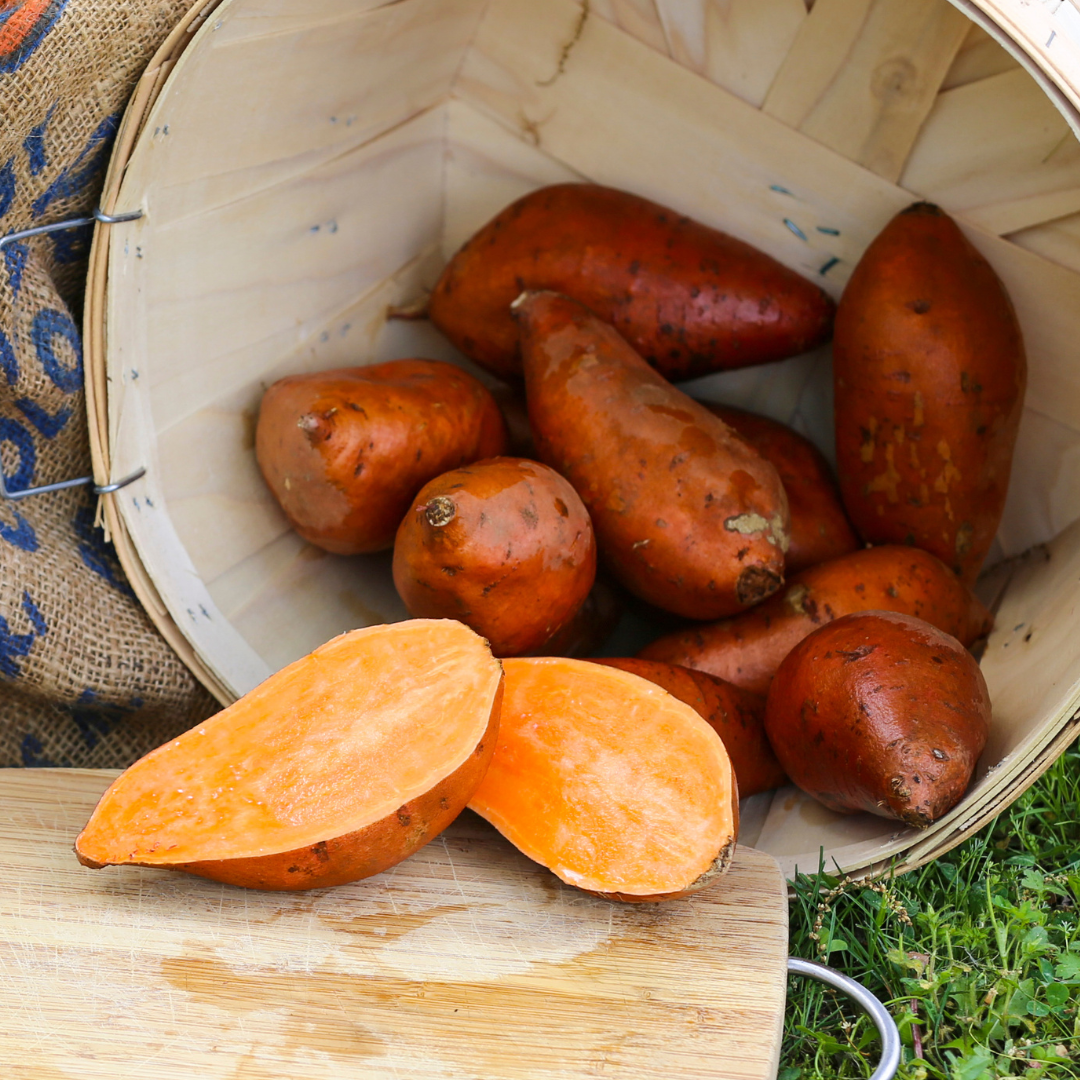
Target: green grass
977, 954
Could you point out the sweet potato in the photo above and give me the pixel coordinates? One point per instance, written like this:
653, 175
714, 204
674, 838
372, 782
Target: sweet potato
688, 298
929, 372
335, 768
345, 451
504, 545
748, 649
820, 529
687, 515
593, 623
610, 782
736, 715
880, 712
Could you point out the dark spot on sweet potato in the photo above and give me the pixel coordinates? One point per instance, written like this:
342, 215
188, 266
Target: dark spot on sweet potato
755, 583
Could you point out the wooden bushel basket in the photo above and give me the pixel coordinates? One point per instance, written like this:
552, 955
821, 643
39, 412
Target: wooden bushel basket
304, 167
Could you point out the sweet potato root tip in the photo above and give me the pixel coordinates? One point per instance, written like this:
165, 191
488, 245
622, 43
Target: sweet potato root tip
335, 768
609, 781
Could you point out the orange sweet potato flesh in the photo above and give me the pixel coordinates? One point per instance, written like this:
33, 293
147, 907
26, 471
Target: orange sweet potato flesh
345, 451
335, 768
504, 545
747, 649
735, 714
687, 515
929, 372
688, 298
820, 529
880, 712
610, 782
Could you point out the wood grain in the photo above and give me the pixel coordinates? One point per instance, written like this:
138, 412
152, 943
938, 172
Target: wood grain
466, 960
862, 75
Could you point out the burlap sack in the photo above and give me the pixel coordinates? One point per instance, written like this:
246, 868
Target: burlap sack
85, 680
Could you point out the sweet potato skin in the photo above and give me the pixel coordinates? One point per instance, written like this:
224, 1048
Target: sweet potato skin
504, 545
344, 451
592, 624
880, 712
820, 529
688, 298
748, 649
736, 715
687, 515
929, 372
368, 851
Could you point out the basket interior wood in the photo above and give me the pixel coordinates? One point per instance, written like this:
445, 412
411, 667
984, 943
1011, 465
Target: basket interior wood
305, 168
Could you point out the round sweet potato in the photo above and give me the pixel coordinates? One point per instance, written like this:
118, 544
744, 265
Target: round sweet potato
820, 529
504, 545
929, 372
609, 781
747, 649
687, 515
736, 715
880, 712
688, 298
335, 768
345, 451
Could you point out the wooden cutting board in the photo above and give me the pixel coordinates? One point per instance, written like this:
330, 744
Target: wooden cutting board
465, 961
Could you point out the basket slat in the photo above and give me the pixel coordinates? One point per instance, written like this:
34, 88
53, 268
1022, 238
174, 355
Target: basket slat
863, 74
638, 18
1058, 241
738, 45
998, 152
980, 56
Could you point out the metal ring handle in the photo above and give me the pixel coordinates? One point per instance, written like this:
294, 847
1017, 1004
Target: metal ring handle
887, 1029
104, 489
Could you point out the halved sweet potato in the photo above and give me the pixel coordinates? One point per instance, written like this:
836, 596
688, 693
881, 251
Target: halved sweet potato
610, 782
333, 769
735, 714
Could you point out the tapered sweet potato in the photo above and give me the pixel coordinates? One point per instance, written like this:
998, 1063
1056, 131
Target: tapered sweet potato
880, 712
345, 451
688, 298
929, 371
687, 515
820, 529
504, 545
747, 649
609, 781
335, 768
736, 715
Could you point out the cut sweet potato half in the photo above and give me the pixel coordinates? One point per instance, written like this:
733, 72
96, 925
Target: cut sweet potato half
610, 782
334, 769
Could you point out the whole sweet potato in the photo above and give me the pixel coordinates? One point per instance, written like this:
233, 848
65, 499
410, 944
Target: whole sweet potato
345, 451
929, 372
736, 715
747, 649
690, 299
880, 712
687, 515
820, 529
504, 545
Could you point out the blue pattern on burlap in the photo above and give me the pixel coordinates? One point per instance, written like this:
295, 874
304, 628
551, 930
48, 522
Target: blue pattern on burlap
49, 424
47, 325
83, 169
97, 553
13, 646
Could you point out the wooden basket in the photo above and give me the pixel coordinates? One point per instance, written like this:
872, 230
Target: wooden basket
304, 167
